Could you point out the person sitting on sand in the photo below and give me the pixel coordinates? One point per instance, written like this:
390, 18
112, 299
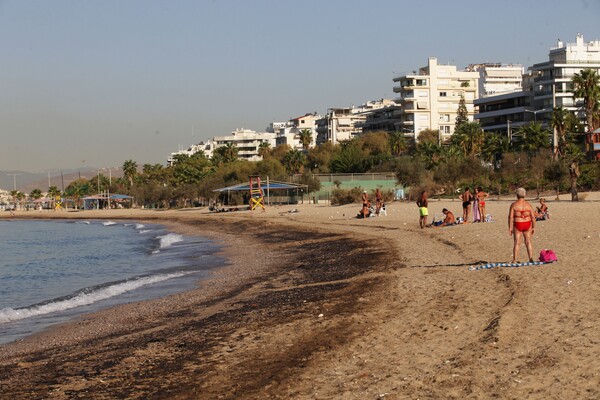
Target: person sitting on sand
521, 224
541, 212
449, 219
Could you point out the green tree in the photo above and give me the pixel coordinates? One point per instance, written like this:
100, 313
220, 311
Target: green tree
559, 122
294, 161
305, 138
349, 160
398, 143
35, 194
462, 114
228, 152
129, 171
586, 85
572, 158
532, 137
468, 138
264, 149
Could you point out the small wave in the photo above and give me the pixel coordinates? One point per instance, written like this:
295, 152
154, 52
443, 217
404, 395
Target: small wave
84, 222
139, 226
142, 231
82, 299
168, 239
108, 223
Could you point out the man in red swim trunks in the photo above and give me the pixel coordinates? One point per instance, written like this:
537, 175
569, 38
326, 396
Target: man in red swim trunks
521, 224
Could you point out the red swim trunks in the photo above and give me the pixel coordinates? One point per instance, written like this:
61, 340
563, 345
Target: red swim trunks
522, 226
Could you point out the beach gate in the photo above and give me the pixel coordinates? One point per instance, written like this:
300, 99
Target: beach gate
257, 197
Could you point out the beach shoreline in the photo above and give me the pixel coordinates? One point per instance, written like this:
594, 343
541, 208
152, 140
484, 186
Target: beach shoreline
318, 304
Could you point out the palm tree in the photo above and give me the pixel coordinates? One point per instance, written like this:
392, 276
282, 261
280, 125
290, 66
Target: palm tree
469, 138
533, 137
586, 86
305, 138
398, 143
294, 161
264, 148
35, 194
53, 193
129, 171
229, 152
558, 122
573, 156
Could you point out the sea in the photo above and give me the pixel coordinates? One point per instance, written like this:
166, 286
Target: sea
54, 271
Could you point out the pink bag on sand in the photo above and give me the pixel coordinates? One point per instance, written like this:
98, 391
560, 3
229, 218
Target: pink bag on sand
547, 256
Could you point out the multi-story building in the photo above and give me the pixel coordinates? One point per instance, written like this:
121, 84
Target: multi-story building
289, 134
247, 142
546, 85
429, 99
552, 78
205, 147
498, 78
345, 123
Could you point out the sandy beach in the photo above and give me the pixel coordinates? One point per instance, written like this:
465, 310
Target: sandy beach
316, 304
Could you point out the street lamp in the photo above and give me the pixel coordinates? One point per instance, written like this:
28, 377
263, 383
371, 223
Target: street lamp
534, 112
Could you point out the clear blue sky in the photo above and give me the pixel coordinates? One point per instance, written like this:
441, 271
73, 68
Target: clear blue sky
95, 83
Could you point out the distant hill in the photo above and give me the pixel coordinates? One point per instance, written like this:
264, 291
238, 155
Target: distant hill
27, 181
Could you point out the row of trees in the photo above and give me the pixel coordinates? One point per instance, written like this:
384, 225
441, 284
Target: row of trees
471, 158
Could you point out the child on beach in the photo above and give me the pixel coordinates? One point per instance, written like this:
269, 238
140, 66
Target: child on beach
422, 204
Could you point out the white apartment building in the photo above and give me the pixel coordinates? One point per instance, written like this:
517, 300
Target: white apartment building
290, 133
552, 79
430, 98
205, 147
345, 123
247, 142
497, 78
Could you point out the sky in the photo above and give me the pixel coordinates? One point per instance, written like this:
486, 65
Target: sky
95, 83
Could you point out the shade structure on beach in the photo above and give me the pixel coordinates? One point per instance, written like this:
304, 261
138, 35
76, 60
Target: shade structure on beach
267, 186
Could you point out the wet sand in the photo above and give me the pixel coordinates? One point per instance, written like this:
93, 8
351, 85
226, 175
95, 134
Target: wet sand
317, 304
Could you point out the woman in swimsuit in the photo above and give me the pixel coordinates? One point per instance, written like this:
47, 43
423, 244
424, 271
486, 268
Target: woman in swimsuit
481, 196
521, 223
467, 198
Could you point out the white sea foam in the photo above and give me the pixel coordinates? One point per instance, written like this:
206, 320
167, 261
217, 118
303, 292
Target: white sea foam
108, 223
139, 226
168, 239
142, 231
10, 314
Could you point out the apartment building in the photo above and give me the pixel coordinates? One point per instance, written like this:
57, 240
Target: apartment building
345, 123
498, 78
546, 85
430, 97
206, 147
552, 78
289, 134
247, 142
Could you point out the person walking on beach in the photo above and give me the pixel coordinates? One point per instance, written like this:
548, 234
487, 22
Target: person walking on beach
467, 198
521, 224
422, 204
481, 196
378, 201
365, 204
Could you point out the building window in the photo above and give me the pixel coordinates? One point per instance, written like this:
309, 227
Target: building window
443, 94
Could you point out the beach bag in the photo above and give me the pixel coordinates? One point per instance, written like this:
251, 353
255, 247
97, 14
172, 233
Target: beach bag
548, 256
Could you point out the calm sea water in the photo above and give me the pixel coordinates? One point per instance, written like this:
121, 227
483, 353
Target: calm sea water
51, 271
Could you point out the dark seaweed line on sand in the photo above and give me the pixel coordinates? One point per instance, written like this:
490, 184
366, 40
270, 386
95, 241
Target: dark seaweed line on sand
333, 262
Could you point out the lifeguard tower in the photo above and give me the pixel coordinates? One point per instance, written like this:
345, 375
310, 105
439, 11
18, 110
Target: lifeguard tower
257, 197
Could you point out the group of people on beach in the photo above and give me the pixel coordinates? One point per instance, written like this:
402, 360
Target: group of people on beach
521, 216
366, 210
475, 200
